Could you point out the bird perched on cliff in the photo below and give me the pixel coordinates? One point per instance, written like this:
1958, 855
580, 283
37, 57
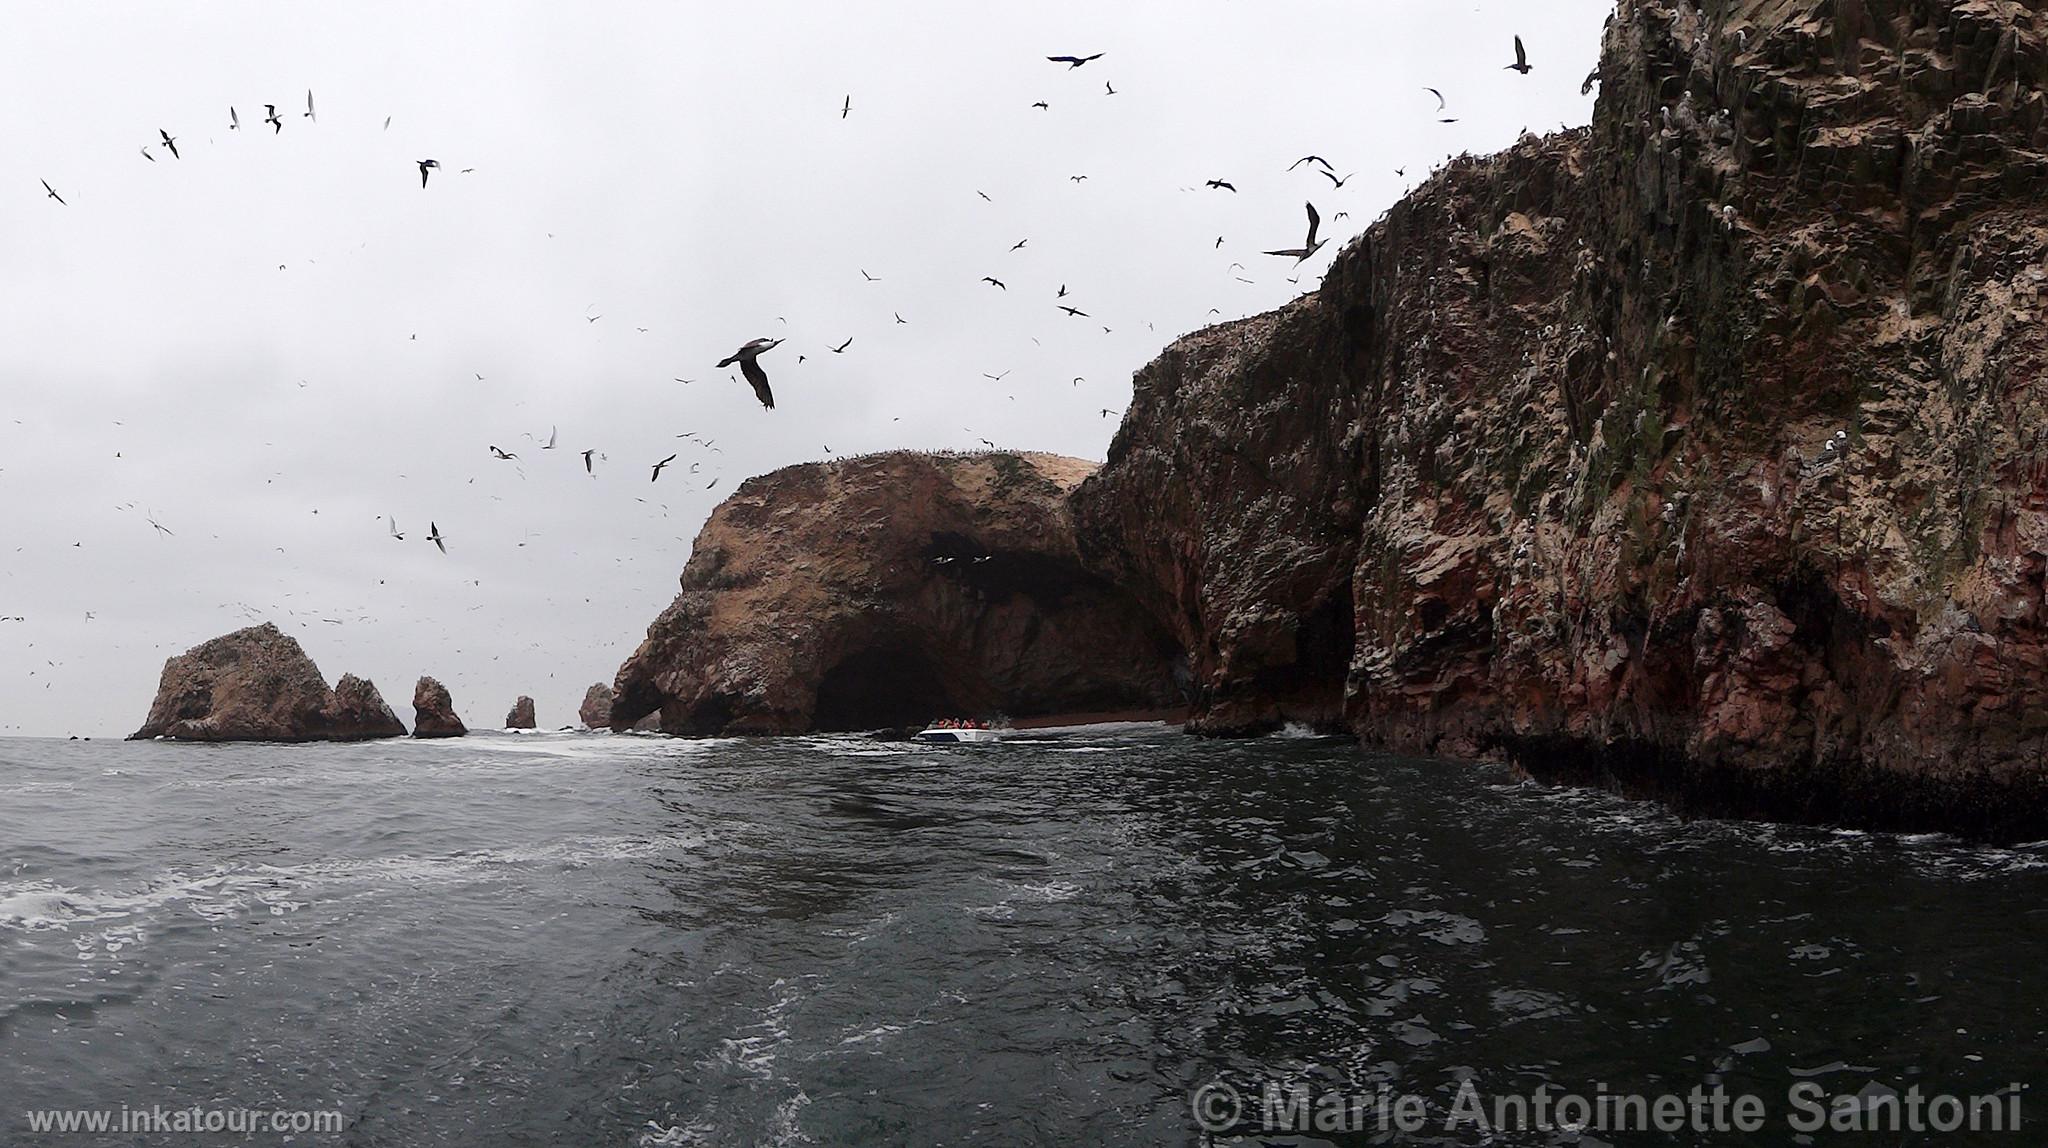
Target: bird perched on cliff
434, 536
1309, 246
1521, 63
270, 117
425, 165
1223, 185
1073, 62
52, 193
659, 465
170, 143
748, 357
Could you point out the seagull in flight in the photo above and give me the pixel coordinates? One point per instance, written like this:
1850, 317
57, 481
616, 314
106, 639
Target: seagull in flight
270, 117
425, 165
748, 357
503, 455
1440, 105
657, 467
1072, 311
846, 107
1224, 185
864, 274
1107, 90
992, 279
1073, 62
1019, 245
586, 463
1038, 104
170, 143
395, 531
309, 107
1521, 63
1332, 176
1310, 245
841, 348
234, 121
1310, 159
434, 536
52, 193
550, 444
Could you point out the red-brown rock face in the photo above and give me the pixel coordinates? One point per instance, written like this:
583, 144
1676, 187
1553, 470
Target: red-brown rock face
258, 685
521, 714
433, 711
888, 590
1699, 452
596, 710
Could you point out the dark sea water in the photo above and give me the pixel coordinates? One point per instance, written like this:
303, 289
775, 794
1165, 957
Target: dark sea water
588, 939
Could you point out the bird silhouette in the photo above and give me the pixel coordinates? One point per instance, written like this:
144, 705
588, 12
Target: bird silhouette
52, 193
169, 143
748, 357
1073, 62
309, 107
846, 107
657, 467
1224, 185
503, 455
434, 536
1311, 244
234, 121
841, 348
1335, 182
1107, 89
1074, 311
994, 280
1038, 104
1019, 245
425, 166
1310, 159
586, 463
1521, 63
270, 117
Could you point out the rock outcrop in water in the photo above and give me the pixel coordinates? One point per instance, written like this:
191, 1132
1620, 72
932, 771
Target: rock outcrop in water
887, 590
257, 684
521, 715
1698, 453
433, 711
596, 710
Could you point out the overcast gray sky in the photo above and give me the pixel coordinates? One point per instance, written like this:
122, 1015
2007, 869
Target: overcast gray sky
273, 341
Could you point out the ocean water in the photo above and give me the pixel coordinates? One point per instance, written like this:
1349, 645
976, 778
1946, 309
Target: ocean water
589, 939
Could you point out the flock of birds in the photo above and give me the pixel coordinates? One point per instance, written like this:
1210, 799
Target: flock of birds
747, 358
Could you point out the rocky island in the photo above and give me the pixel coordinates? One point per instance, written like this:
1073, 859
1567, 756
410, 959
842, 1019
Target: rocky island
1690, 454
257, 684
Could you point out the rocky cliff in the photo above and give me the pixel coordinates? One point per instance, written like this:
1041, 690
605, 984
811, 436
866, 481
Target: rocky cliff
257, 684
596, 710
520, 716
1698, 453
888, 590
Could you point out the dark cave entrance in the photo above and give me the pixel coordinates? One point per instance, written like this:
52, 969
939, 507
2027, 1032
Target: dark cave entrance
874, 689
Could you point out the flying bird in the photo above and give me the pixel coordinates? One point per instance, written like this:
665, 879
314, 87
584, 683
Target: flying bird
846, 107
983, 194
748, 357
309, 106
1061, 293
659, 465
146, 155
1592, 77
550, 444
841, 348
395, 531
270, 117
1076, 178
1073, 62
586, 463
1439, 99
1224, 185
899, 317
1310, 159
1521, 63
864, 274
425, 165
994, 280
170, 143
434, 536
1311, 244
503, 456
1107, 90
1332, 176
1073, 311
1038, 104
1019, 245
52, 193
234, 121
